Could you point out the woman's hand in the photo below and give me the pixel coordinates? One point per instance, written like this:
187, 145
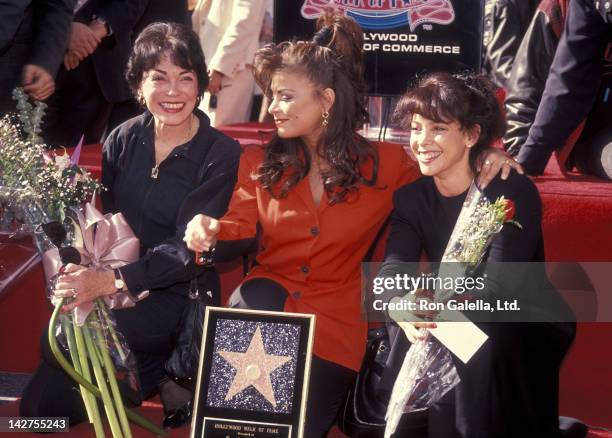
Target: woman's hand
411, 329
83, 284
201, 233
491, 161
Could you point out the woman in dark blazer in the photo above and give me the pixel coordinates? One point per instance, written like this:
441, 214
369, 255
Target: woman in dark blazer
509, 388
159, 169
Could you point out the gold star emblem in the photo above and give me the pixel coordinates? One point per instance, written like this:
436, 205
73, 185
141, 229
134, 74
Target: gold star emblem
253, 368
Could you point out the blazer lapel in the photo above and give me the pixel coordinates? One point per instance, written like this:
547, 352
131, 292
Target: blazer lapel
302, 190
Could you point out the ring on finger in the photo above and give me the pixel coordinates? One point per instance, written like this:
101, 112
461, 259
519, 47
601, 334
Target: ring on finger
74, 292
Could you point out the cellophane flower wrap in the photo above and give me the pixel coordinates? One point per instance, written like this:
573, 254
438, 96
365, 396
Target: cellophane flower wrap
428, 371
42, 192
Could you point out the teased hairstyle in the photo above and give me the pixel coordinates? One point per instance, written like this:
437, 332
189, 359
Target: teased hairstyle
468, 99
177, 41
332, 59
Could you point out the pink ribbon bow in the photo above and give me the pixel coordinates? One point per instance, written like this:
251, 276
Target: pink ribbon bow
108, 243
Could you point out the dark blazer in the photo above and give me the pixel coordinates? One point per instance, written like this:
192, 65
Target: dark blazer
573, 81
111, 56
505, 22
530, 71
31, 32
42, 25
166, 11
197, 177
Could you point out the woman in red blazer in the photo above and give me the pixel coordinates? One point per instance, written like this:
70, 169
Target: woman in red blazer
320, 193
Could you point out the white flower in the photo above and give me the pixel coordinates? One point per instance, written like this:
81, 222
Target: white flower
62, 161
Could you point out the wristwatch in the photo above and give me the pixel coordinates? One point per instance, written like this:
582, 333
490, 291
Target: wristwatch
119, 283
104, 23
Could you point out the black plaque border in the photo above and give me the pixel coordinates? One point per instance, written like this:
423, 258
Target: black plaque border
300, 396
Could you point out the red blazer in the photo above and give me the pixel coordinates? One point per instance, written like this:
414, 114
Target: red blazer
316, 253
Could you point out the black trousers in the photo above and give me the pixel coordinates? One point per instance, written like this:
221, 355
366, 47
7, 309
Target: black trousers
510, 387
593, 155
329, 382
149, 328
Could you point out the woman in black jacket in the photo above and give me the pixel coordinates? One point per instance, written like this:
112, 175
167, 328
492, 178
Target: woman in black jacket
509, 388
160, 169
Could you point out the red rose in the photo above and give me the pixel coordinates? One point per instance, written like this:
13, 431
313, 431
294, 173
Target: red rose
510, 209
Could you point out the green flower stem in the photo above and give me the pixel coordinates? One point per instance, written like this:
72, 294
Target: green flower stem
138, 419
111, 328
78, 366
84, 365
109, 407
112, 380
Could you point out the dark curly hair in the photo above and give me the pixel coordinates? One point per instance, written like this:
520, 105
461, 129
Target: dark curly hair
466, 98
177, 41
332, 59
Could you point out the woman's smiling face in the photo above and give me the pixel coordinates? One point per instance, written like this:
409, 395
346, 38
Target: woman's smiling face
170, 92
440, 148
297, 106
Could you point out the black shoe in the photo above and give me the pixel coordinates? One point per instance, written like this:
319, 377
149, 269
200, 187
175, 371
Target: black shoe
176, 418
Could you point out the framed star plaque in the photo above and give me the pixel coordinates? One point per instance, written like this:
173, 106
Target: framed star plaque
253, 374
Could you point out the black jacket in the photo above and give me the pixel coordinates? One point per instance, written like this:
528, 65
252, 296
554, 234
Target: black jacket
43, 25
111, 57
197, 177
164, 10
573, 81
505, 22
528, 78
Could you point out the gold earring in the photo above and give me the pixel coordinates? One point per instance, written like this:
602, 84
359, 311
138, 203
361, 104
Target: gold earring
141, 100
325, 121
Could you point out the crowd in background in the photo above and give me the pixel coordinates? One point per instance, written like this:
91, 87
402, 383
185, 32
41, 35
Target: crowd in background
73, 54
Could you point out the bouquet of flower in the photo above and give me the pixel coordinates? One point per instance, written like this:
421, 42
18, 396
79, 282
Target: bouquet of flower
34, 180
428, 371
41, 191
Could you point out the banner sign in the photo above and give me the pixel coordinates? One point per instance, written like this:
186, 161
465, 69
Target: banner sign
402, 38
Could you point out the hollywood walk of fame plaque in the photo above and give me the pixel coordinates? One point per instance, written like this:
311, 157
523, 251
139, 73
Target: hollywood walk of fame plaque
253, 374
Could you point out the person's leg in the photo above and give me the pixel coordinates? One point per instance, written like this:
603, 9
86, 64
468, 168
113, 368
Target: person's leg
441, 418
150, 328
510, 387
593, 154
259, 294
329, 383
51, 392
